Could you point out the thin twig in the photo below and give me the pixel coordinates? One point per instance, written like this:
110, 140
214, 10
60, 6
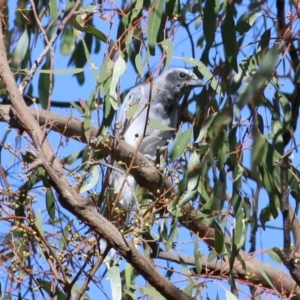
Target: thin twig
91, 274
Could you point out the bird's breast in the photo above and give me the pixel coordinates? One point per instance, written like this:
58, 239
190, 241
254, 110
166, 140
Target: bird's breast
165, 111
154, 137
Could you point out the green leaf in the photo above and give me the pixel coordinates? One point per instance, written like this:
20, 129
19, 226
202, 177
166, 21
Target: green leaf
53, 10
130, 17
118, 71
297, 74
259, 79
75, 291
88, 9
246, 21
50, 204
48, 287
129, 37
167, 45
265, 40
87, 116
172, 8
230, 296
229, 38
146, 60
265, 275
198, 21
88, 57
136, 10
175, 210
150, 291
181, 143
105, 76
130, 293
93, 180
219, 240
173, 233
193, 173
274, 256
223, 118
44, 85
265, 216
210, 11
233, 145
238, 172
61, 71
21, 49
209, 202
202, 191
157, 125
139, 65
197, 255
186, 269
248, 65
88, 29
77, 107
115, 282
188, 290
211, 256
95, 32
259, 148
104, 87
205, 127
260, 123
154, 21
78, 60
286, 108
39, 222
128, 275
131, 110
65, 234
187, 196
239, 229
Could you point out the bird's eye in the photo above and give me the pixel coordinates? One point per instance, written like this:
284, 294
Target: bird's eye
182, 75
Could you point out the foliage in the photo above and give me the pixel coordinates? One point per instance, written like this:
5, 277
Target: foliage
230, 174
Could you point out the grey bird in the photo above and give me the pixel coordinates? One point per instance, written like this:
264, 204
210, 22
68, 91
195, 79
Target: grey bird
158, 102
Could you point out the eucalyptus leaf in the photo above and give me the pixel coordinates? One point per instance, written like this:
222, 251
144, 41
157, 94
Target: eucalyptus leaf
115, 282
21, 49
167, 45
93, 180
181, 142
50, 204
260, 78
157, 125
154, 20
119, 70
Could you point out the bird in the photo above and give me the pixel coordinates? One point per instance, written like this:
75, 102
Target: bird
155, 101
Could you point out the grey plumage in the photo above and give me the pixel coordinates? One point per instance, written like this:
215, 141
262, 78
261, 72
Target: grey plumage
159, 102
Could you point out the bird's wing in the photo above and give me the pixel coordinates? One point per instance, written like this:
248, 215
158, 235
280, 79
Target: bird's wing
132, 98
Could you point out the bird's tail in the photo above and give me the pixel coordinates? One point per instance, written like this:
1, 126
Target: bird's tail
123, 188
122, 184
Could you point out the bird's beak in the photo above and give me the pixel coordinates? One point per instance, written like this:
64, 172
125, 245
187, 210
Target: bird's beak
196, 82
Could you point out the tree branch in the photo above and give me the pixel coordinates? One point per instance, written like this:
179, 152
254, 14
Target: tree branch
252, 275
